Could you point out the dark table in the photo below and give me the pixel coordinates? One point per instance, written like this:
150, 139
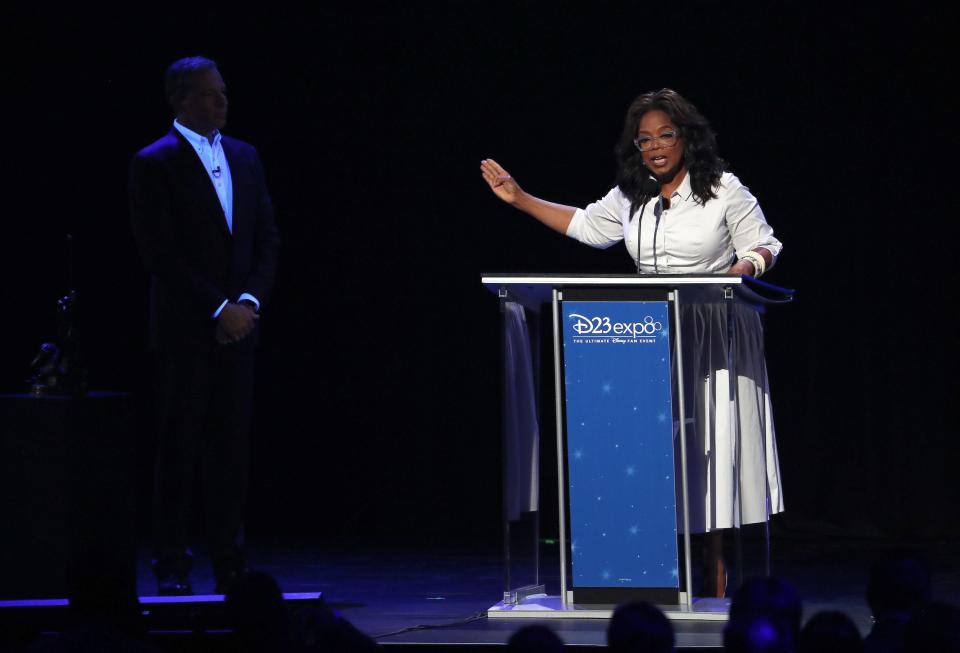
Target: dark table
67, 490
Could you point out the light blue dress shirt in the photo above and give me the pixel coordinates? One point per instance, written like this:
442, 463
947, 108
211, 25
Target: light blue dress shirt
215, 163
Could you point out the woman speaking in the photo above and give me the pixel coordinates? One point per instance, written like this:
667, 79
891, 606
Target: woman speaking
679, 211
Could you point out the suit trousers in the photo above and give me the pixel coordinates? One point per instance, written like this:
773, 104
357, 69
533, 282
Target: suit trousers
204, 408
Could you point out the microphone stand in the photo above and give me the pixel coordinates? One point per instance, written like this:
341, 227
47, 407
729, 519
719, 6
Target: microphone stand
650, 187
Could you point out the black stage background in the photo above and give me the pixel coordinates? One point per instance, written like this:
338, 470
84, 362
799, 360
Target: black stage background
378, 400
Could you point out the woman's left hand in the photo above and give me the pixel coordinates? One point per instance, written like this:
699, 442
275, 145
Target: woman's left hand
742, 267
746, 266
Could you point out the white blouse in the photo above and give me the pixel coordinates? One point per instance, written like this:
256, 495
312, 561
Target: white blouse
685, 238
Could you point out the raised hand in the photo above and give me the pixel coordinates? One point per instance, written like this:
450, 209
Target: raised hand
501, 183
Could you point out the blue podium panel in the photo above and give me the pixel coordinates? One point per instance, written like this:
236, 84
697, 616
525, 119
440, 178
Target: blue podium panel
619, 445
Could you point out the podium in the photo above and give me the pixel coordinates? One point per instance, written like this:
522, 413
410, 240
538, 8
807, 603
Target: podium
663, 430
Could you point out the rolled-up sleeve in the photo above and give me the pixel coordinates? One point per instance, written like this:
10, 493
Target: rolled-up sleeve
748, 228
600, 224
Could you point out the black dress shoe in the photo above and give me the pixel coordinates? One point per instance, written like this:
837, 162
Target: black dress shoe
174, 585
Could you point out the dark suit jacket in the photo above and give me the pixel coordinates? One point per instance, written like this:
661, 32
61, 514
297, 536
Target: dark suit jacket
181, 230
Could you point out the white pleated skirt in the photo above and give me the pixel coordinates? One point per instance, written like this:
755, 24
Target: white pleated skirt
733, 472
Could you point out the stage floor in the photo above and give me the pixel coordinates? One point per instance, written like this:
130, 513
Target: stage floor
407, 594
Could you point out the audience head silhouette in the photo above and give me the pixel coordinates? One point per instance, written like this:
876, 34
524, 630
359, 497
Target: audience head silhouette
641, 628
765, 615
771, 598
258, 613
830, 632
535, 639
756, 634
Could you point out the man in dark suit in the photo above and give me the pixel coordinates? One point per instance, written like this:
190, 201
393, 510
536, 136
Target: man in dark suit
203, 222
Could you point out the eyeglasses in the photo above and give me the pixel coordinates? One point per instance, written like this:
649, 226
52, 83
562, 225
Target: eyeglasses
667, 139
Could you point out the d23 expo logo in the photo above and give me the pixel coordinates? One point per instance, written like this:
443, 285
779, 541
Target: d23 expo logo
604, 330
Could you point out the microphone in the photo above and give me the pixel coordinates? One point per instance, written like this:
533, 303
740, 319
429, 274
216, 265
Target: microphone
650, 186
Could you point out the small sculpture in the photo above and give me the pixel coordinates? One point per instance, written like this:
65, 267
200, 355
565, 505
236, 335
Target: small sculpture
57, 368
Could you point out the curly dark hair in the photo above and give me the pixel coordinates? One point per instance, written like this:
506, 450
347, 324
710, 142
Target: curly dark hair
700, 156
